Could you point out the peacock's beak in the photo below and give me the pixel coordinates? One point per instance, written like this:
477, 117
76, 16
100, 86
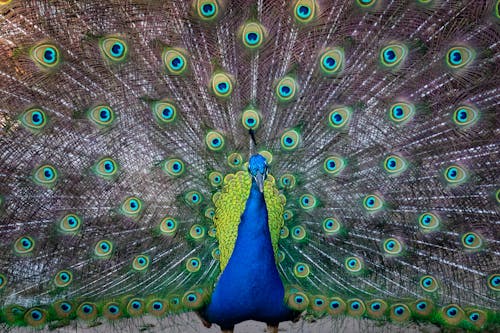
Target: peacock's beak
259, 179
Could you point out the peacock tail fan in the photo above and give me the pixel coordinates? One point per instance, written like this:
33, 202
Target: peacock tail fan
126, 128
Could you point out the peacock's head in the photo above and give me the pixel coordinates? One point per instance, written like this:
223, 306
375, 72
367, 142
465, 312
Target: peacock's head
257, 167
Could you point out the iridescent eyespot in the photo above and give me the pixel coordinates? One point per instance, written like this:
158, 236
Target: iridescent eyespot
298, 233
173, 167
393, 55
464, 116
35, 317
287, 181
331, 226
286, 89
135, 307
267, 155
373, 203
353, 264
250, 119
210, 213
24, 245
106, 168
459, 56
307, 201
284, 232
87, 311
376, 308
366, 3
252, 35
34, 119
193, 264
157, 307
235, 160
112, 311
197, 231
214, 141
331, 61
113, 49
477, 317
319, 304
429, 221
298, 301
221, 85
131, 206
207, 10
301, 270
422, 308
102, 115
168, 226
494, 282
472, 241
400, 312
46, 56
452, 314
428, 283
392, 246
287, 215
401, 112
339, 117
3, 281
455, 175
103, 249
45, 175
140, 262
355, 307
174, 60
63, 278
63, 309
304, 11
165, 112
215, 178
394, 164
193, 299
70, 223
193, 198
336, 306
290, 140
216, 253
334, 164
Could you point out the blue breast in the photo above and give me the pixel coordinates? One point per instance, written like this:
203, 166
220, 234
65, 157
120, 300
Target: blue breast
250, 287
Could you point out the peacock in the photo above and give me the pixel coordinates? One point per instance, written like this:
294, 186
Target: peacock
250, 160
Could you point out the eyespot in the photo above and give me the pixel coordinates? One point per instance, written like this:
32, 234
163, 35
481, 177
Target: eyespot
210, 213
215, 178
280, 256
472, 241
394, 164
336, 306
131, 206
165, 112
290, 140
168, 226
63, 309
298, 233
207, 10
455, 175
392, 246
112, 311
235, 160
331, 226
252, 35
267, 155
175, 61
477, 317
298, 301
250, 119
366, 3
197, 231
287, 181
63, 278
193, 300
103, 249
422, 308
157, 307
106, 168
45, 175
353, 264
70, 224
376, 308
373, 203
459, 56
87, 311
355, 307
114, 49
140, 262
400, 312
401, 112
173, 167
222, 85
393, 55
34, 119
214, 141
35, 317
193, 264
193, 198
452, 314
102, 115
339, 117
331, 61
464, 116
494, 282
216, 253
286, 89
319, 304
428, 283
429, 222
304, 11
287, 215
3, 281
46, 56
284, 232
307, 201
334, 164
135, 307
301, 270
24, 245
